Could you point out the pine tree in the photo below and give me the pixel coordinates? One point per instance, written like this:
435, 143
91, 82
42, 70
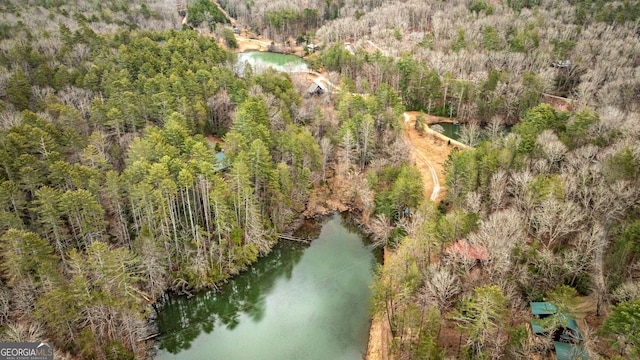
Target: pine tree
624, 323
26, 256
481, 316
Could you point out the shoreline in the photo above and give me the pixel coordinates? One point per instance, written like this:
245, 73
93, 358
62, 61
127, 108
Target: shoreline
378, 344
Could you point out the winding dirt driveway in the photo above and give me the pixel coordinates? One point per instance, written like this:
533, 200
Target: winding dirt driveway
420, 157
247, 44
429, 151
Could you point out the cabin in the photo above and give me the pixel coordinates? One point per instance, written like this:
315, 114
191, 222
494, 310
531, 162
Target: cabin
461, 249
316, 89
567, 339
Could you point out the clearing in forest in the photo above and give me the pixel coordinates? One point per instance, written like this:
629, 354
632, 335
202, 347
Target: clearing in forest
429, 151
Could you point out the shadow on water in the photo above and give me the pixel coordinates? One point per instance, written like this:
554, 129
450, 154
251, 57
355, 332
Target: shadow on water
184, 319
310, 229
299, 302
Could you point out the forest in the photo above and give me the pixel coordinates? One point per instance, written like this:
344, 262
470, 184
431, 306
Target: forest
111, 113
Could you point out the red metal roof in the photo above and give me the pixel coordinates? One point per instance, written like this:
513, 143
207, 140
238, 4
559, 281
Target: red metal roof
462, 248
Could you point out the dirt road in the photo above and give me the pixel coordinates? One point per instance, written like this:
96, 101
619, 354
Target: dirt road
429, 152
247, 44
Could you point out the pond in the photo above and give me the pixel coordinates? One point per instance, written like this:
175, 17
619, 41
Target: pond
299, 302
261, 61
453, 131
450, 130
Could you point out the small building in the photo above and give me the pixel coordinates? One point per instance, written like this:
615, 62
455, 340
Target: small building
236, 30
312, 47
461, 249
567, 339
316, 89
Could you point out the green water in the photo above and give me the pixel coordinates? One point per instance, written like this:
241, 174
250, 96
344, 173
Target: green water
299, 302
260, 61
450, 130
453, 131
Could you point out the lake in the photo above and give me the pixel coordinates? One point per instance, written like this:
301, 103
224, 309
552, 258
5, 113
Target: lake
299, 302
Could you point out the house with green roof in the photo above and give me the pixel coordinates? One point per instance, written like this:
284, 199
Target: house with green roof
567, 339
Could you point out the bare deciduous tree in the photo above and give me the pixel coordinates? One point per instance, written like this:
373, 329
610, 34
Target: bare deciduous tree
553, 149
440, 286
381, 229
21, 331
471, 134
412, 224
553, 219
627, 291
498, 190
496, 127
500, 233
9, 118
325, 147
473, 202
4, 305
518, 188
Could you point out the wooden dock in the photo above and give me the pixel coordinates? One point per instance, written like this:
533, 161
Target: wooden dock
294, 238
149, 337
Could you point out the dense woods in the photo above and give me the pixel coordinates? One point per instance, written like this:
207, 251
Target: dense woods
111, 193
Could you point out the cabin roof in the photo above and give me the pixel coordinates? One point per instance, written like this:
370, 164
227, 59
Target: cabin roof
566, 348
537, 327
462, 248
543, 308
565, 351
316, 88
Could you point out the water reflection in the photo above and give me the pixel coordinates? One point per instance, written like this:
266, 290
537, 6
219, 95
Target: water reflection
449, 130
300, 302
183, 319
